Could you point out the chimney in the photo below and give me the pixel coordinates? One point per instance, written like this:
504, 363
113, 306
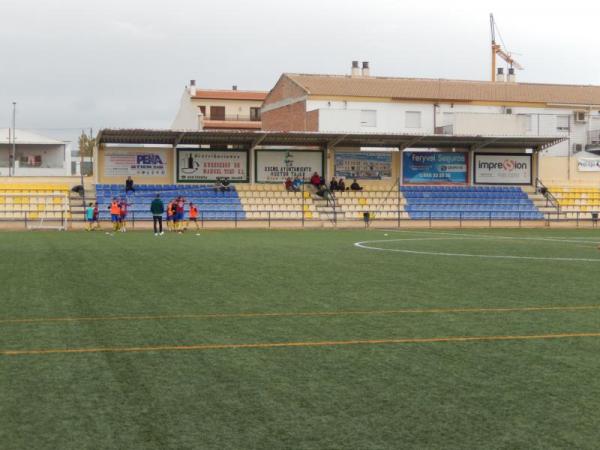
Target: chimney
512, 77
192, 88
234, 87
500, 78
355, 69
366, 72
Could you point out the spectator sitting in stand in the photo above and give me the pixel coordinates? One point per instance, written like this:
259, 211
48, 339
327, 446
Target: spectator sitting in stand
325, 193
222, 185
297, 184
355, 186
129, 185
289, 185
321, 190
315, 180
341, 185
333, 184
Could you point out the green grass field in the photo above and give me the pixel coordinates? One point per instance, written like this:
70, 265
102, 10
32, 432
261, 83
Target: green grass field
300, 340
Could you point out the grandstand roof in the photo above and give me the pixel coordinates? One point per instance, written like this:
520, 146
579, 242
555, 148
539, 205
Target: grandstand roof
318, 139
446, 90
26, 137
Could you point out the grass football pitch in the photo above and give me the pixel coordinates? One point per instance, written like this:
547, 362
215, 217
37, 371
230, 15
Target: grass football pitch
300, 339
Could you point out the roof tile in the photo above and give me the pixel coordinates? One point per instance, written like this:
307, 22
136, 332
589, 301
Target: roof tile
447, 90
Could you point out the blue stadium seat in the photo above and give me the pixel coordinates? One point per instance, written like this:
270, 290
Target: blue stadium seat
469, 202
213, 205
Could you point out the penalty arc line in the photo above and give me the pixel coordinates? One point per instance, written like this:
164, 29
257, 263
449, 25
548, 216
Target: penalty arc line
483, 236
272, 345
363, 245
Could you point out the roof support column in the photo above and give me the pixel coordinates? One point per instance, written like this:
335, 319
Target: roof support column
252, 157
175, 159
329, 157
536, 164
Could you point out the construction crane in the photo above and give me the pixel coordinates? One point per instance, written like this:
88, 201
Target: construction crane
498, 51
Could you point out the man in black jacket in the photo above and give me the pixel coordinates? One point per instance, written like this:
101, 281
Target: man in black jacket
157, 208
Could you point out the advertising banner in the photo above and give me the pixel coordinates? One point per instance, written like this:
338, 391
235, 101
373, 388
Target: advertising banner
588, 165
136, 163
363, 165
502, 168
434, 168
277, 165
204, 166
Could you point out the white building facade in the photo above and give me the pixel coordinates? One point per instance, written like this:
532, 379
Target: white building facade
34, 155
205, 109
579, 126
363, 103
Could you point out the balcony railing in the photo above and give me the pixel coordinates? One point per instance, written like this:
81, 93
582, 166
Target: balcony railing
234, 118
446, 129
594, 138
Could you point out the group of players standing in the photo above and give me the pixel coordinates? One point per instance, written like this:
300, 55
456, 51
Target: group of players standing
176, 215
118, 214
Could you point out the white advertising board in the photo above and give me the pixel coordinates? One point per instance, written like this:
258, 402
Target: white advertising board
502, 168
273, 166
136, 163
203, 166
588, 164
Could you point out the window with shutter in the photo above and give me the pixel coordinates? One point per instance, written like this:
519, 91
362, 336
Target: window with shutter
368, 118
413, 119
217, 113
562, 123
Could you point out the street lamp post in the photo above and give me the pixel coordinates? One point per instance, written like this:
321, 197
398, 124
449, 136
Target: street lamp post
14, 139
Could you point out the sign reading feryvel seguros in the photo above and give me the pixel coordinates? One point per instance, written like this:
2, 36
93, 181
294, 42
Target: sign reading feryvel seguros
277, 165
497, 168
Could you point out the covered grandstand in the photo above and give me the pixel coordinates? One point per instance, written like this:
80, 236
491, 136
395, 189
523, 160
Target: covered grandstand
165, 162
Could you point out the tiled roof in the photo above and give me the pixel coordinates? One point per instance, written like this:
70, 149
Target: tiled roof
446, 90
229, 95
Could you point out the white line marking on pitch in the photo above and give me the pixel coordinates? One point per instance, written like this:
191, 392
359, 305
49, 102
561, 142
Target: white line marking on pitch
364, 245
484, 236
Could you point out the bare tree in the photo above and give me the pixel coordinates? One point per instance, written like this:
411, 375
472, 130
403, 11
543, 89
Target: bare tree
86, 148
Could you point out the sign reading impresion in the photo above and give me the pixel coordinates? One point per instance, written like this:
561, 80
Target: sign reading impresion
204, 166
434, 167
138, 163
275, 166
502, 168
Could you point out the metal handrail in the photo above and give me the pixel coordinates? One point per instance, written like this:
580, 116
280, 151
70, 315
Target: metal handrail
375, 216
550, 198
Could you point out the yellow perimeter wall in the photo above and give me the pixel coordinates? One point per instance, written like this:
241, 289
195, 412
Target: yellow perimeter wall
555, 171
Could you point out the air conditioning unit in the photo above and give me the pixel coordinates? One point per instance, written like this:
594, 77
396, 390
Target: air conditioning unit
577, 148
580, 116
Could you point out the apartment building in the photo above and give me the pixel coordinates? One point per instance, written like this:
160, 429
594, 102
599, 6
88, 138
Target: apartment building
225, 109
360, 102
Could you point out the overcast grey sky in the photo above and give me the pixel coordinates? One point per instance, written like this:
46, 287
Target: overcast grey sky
124, 63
